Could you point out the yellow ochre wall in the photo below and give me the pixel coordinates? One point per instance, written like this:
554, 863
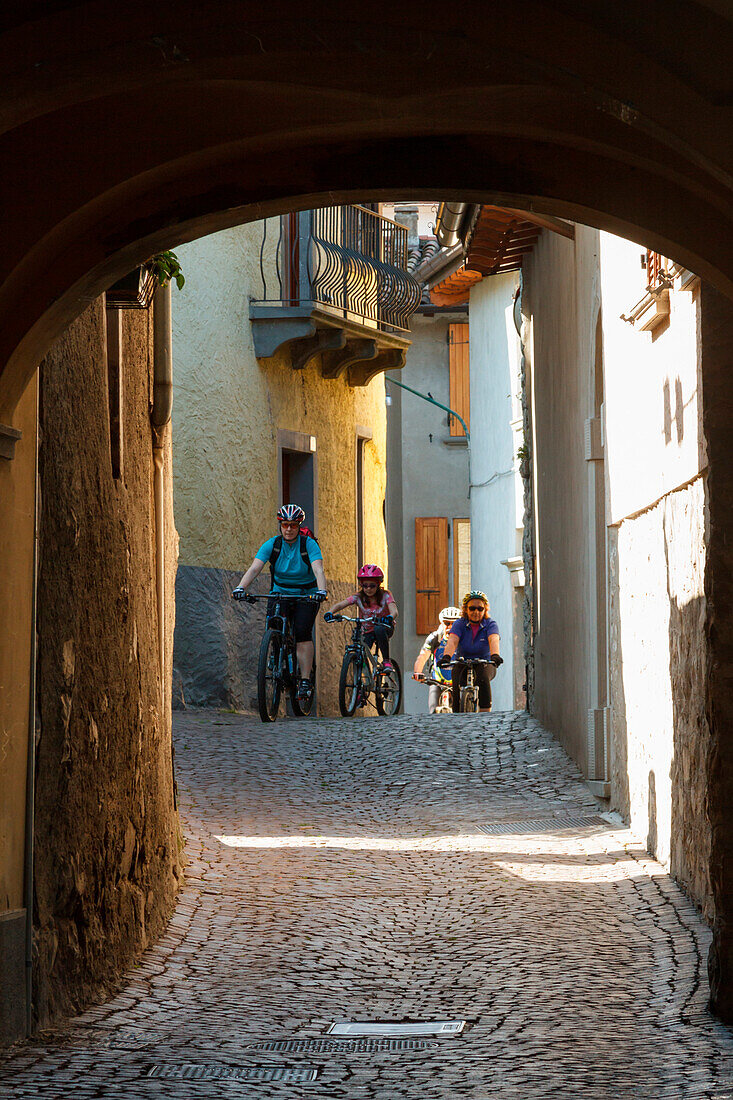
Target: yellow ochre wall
17, 500
228, 407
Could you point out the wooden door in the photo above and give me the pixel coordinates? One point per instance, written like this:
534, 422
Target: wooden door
431, 570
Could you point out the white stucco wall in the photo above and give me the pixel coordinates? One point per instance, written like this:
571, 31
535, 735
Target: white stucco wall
653, 424
496, 435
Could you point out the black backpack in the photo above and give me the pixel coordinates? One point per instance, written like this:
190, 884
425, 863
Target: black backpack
278, 545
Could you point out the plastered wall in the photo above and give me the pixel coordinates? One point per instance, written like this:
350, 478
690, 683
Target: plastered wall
496, 506
17, 505
653, 453
228, 407
428, 477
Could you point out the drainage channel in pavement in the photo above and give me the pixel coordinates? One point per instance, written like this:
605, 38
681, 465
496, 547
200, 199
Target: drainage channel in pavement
352, 1037
194, 1072
559, 823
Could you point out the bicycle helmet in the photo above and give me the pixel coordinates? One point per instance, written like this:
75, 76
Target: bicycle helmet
370, 572
290, 513
475, 594
449, 614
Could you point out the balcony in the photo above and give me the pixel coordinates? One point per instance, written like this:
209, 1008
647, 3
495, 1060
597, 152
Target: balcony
335, 285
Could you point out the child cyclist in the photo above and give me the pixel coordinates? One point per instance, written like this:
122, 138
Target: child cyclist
376, 606
426, 662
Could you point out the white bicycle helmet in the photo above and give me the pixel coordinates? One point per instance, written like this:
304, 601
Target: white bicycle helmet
449, 614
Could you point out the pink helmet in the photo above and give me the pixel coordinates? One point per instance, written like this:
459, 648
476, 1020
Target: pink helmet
370, 572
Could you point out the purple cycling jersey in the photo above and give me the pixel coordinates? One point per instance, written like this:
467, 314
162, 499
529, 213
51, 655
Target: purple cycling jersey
470, 646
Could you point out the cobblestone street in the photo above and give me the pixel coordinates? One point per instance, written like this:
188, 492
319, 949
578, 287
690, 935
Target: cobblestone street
337, 870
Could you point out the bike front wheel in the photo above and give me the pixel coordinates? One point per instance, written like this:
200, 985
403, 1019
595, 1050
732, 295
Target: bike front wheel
349, 684
269, 678
469, 701
388, 690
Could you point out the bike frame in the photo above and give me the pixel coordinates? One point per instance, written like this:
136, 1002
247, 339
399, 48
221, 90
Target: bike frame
281, 621
358, 645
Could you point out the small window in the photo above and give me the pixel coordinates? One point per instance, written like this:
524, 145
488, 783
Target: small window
460, 394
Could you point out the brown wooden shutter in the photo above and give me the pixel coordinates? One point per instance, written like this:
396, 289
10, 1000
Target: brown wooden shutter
431, 570
460, 399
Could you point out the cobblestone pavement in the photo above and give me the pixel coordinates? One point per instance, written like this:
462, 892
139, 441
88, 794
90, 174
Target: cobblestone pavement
337, 871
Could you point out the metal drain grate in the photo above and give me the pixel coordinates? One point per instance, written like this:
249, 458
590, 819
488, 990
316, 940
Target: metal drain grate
542, 824
342, 1046
236, 1073
387, 1030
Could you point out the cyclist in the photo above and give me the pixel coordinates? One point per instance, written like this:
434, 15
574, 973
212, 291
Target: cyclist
474, 634
426, 662
297, 570
376, 606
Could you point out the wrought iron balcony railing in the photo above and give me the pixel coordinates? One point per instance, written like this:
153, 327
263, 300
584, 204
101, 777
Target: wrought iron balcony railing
346, 260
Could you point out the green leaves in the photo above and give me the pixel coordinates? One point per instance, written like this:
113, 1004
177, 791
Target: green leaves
165, 266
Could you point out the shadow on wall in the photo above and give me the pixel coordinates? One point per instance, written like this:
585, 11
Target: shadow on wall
217, 641
647, 731
690, 834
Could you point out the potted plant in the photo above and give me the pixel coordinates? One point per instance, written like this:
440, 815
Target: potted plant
135, 290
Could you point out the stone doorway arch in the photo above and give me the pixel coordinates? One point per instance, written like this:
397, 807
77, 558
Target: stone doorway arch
131, 128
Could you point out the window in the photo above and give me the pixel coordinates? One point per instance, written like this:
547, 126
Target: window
461, 558
431, 570
460, 398
362, 436
298, 473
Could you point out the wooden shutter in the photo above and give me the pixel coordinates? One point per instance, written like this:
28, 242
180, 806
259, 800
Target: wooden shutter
460, 398
431, 570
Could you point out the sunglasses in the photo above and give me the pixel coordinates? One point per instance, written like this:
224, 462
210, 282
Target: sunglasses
475, 607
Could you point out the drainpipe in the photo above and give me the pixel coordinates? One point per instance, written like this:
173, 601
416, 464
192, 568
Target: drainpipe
30, 774
160, 417
454, 222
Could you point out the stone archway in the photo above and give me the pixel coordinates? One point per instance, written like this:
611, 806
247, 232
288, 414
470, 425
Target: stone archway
129, 129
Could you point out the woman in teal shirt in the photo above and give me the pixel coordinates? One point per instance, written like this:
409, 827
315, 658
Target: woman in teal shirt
296, 571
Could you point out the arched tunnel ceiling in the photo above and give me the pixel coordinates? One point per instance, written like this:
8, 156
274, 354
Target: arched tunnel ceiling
126, 127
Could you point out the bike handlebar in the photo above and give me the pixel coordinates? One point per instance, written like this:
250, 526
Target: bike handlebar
337, 618
281, 596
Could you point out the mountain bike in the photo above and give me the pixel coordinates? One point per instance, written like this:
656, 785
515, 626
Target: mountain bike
277, 666
470, 690
445, 698
362, 674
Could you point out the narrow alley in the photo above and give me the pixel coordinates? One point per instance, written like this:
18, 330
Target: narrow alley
400, 870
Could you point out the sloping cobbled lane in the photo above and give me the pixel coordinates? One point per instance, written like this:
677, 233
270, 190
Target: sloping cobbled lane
337, 870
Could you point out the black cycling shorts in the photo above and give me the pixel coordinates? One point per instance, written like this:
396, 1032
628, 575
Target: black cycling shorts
482, 677
302, 615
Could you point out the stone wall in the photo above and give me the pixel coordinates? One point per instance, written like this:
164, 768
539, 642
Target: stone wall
717, 359
106, 836
660, 736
